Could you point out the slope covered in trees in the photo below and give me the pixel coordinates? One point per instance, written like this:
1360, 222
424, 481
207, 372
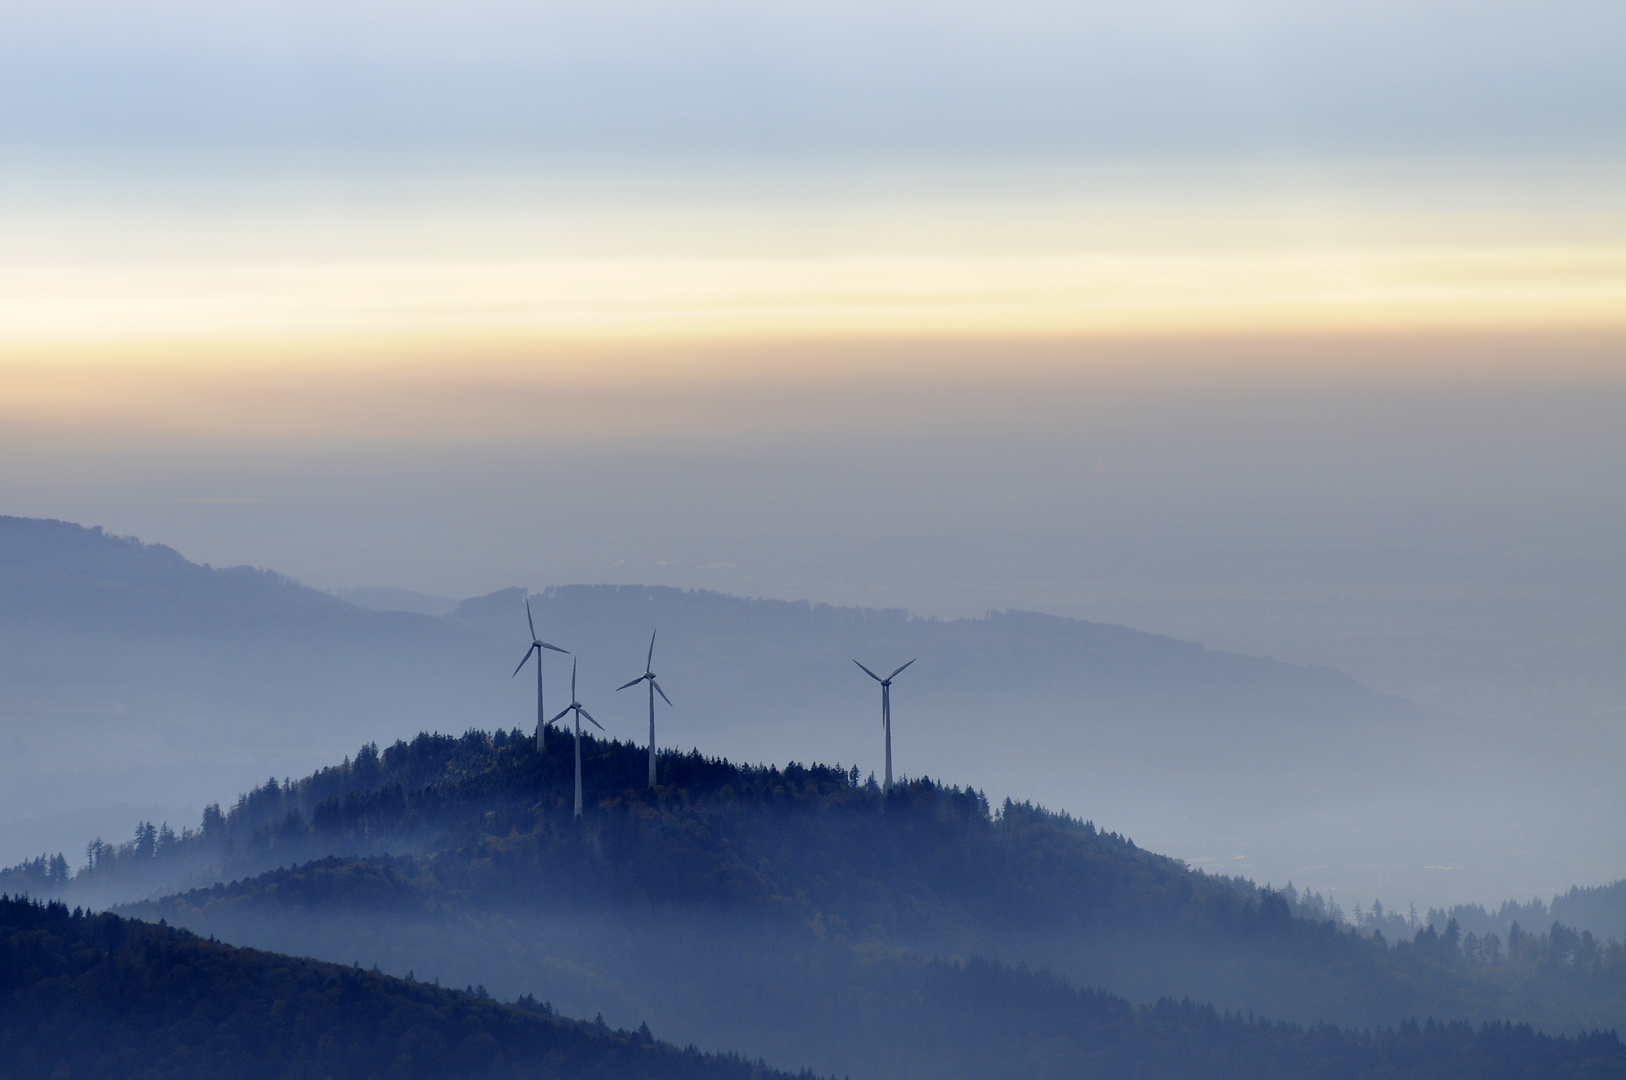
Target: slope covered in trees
100, 996
1599, 911
640, 908
131, 671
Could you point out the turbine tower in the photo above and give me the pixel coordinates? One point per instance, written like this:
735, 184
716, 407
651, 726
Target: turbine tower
576, 706
654, 688
886, 714
537, 645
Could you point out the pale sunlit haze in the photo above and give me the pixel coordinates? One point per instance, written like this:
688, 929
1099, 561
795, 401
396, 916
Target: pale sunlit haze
1287, 328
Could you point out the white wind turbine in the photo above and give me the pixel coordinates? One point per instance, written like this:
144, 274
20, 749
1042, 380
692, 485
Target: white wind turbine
886, 714
537, 645
654, 688
580, 712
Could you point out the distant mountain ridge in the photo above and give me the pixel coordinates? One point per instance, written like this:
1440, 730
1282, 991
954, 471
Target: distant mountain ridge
380, 598
56, 575
87, 616
198, 681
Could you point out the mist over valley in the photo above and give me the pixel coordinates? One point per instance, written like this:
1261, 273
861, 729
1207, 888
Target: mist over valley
202, 681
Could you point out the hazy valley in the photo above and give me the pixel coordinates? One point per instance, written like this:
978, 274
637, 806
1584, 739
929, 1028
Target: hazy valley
133, 675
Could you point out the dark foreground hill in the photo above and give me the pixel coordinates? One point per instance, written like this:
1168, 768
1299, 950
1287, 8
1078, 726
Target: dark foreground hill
751, 907
93, 996
96, 996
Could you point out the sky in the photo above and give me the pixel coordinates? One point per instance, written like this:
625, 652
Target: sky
1291, 328
260, 188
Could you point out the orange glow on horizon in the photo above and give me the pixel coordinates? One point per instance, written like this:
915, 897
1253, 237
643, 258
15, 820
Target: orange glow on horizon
600, 389
444, 313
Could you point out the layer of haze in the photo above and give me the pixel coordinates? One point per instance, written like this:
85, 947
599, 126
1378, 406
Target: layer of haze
1291, 329
1457, 545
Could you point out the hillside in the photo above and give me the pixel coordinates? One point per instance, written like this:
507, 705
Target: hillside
100, 996
128, 670
733, 897
1599, 910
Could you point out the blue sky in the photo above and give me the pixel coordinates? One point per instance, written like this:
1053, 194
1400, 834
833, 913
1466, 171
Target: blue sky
1049, 80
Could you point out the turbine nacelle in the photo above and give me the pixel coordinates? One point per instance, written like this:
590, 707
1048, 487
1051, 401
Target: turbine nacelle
576, 706
888, 680
648, 676
537, 644
649, 673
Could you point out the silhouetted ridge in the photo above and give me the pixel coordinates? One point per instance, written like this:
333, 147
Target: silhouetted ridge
732, 903
1037, 652
481, 825
97, 996
713, 832
58, 574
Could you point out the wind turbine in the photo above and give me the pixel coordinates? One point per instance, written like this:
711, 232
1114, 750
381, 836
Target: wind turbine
886, 714
654, 688
580, 712
537, 645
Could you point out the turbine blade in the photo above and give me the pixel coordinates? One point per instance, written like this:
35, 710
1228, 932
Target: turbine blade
590, 719
562, 714
573, 679
634, 682
555, 648
868, 672
528, 620
651, 658
894, 675
659, 691
523, 660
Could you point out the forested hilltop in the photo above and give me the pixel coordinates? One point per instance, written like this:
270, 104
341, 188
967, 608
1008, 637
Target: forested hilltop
200, 671
733, 898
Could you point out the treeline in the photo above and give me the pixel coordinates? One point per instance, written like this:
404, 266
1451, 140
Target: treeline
1559, 947
94, 995
273, 824
438, 792
99, 996
930, 868
1304, 905
43, 875
715, 833
995, 1021
1600, 909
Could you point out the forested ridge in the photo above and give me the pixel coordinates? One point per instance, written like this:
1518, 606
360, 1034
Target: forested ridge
95, 995
744, 902
88, 995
